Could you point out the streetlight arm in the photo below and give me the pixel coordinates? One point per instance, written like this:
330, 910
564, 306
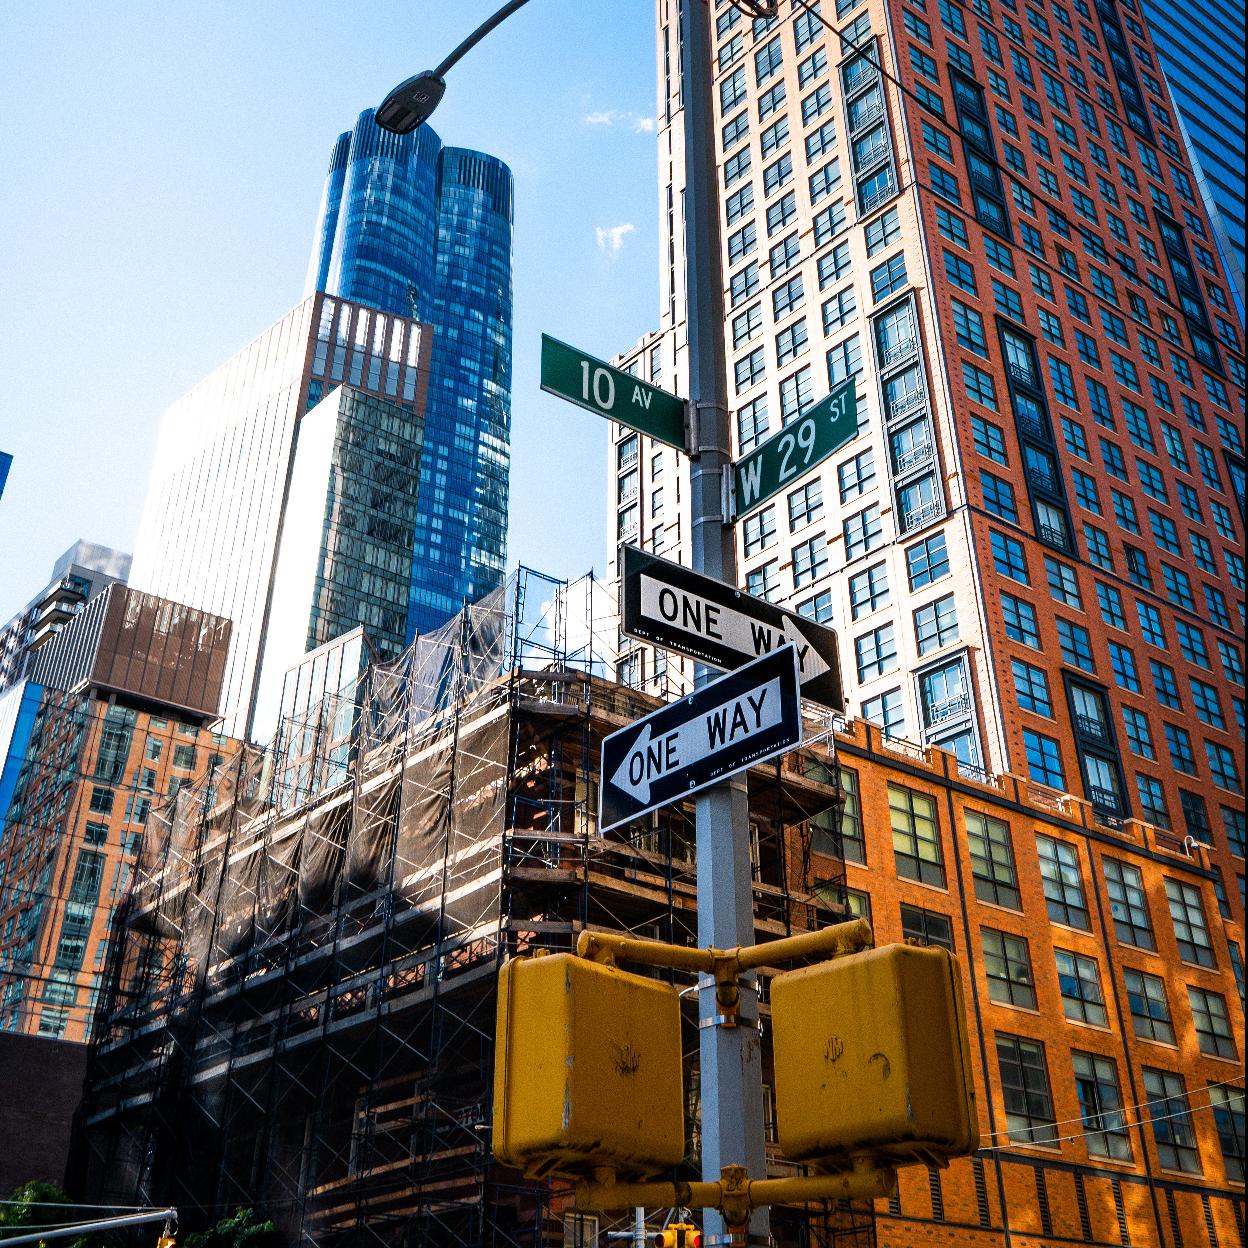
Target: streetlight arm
412, 102
477, 35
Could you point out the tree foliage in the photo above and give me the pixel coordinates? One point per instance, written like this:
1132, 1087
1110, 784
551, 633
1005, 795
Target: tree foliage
242, 1230
37, 1204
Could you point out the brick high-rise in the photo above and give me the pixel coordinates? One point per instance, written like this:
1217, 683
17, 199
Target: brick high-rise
1033, 549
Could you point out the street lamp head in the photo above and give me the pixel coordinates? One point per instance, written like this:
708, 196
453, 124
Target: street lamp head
410, 103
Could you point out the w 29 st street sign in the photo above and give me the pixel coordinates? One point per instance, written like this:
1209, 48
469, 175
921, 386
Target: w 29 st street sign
736, 721
706, 620
600, 387
767, 469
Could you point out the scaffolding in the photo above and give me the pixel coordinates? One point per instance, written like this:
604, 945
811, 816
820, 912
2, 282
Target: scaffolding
299, 1009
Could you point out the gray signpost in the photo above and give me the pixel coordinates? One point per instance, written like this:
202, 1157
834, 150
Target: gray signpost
736, 721
795, 449
711, 622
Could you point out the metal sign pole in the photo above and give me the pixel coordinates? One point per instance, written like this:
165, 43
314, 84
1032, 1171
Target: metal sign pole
731, 1058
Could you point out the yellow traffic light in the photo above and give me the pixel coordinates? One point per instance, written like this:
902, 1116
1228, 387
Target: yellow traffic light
587, 1069
872, 1057
679, 1235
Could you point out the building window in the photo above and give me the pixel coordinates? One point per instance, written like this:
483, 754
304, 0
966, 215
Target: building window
864, 531
1008, 966
1063, 885
926, 927
868, 590
1228, 1117
887, 712
992, 860
936, 624
1213, 1026
1190, 929
1100, 1106
1150, 1012
1172, 1120
1025, 1087
1044, 759
916, 836
1128, 903
876, 652
1079, 979
810, 560
927, 561
1031, 687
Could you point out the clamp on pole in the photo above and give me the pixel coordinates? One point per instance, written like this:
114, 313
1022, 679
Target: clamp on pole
726, 966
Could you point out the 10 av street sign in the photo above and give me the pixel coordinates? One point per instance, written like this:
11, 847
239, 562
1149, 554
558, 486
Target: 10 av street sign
736, 721
767, 469
713, 623
611, 392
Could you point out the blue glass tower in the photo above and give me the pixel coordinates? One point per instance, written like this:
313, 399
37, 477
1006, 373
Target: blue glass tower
1202, 51
414, 228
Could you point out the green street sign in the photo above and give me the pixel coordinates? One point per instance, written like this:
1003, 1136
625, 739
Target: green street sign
611, 392
767, 469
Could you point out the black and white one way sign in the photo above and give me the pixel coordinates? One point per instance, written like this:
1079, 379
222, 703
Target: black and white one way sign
736, 721
714, 623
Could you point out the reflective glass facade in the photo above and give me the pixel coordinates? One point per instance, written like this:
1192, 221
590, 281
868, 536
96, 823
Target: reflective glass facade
1202, 52
231, 489
415, 228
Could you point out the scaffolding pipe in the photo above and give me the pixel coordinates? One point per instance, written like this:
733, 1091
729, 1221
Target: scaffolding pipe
101, 1224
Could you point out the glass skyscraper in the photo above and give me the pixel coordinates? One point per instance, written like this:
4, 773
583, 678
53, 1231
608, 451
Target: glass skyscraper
1202, 52
417, 229
283, 493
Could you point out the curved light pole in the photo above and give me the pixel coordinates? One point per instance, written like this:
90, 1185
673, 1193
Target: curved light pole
730, 1056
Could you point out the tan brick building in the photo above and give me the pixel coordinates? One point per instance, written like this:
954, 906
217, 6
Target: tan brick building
123, 703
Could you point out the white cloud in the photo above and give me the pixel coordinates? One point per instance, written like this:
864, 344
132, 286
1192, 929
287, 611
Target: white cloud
611, 237
612, 117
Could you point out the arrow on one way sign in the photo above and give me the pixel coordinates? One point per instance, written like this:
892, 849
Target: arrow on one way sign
738, 720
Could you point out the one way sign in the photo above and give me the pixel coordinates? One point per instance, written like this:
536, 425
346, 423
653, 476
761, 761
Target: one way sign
734, 722
717, 624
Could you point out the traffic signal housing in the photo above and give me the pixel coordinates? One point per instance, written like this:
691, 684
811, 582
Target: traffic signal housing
872, 1058
587, 1069
678, 1235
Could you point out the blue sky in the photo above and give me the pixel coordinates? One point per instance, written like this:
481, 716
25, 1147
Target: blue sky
162, 168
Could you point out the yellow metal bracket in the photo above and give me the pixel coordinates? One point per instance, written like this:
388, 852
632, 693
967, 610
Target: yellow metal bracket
726, 966
736, 1195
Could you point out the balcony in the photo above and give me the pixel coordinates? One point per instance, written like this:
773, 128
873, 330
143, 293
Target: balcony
1042, 478
872, 112
1053, 536
1030, 427
947, 709
873, 199
919, 516
862, 75
1091, 727
986, 181
915, 457
908, 402
870, 157
905, 349
1021, 373
1105, 800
